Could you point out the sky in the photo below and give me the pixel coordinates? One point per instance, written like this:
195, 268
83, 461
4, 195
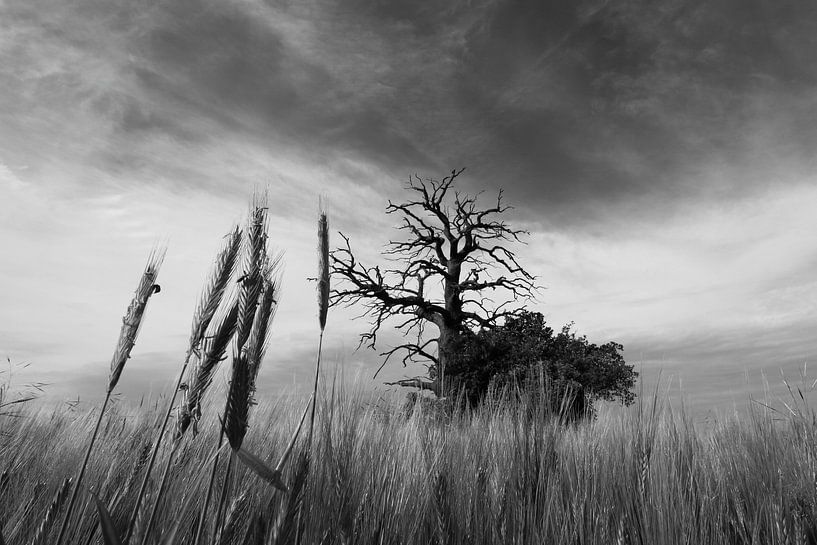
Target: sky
661, 155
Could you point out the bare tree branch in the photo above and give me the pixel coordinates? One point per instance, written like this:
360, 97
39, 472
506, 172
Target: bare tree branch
420, 383
452, 255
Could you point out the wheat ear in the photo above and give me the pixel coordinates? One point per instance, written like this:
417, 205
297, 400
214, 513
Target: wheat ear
268, 304
251, 280
242, 383
208, 304
323, 307
202, 374
323, 269
251, 285
247, 362
213, 293
127, 338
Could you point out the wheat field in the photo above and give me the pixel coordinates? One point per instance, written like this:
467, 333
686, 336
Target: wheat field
377, 476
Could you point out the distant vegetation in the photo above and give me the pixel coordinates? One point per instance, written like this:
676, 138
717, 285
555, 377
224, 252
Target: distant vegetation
524, 354
502, 467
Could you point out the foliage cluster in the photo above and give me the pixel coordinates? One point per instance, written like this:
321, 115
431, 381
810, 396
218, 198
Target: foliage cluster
524, 351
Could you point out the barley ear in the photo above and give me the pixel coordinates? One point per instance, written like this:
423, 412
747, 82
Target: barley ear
268, 304
201, 376
132, 321
238, 402
127, 338
323, 269
213, 292
251, 278
323, 307
246, 361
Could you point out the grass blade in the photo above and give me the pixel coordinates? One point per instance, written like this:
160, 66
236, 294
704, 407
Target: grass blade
290, 525
260, 468
107, 525
51, 513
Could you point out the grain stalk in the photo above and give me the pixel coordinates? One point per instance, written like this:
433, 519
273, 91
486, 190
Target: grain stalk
251, 282
208, 304
246, 365
127, 338
202, 375
323, 308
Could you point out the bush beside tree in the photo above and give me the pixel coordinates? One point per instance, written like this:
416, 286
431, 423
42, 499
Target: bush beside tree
525, 351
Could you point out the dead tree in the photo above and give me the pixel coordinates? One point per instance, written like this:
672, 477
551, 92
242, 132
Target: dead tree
448, 271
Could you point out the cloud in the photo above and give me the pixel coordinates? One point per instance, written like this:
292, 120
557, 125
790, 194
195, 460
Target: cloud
570, 105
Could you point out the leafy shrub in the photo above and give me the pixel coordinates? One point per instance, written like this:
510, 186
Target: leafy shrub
526, 354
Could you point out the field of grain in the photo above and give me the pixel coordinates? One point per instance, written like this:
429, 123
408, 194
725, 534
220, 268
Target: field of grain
374, 476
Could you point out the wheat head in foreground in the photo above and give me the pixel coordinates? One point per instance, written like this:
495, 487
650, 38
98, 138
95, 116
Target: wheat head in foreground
208, 304
131, 323
323, 305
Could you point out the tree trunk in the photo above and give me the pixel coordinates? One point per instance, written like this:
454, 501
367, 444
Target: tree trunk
445, 351
450, 325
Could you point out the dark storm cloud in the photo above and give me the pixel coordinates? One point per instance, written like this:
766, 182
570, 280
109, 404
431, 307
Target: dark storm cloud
635, 98
568, 104
236, 67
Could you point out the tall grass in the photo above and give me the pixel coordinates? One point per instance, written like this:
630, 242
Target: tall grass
498, 476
